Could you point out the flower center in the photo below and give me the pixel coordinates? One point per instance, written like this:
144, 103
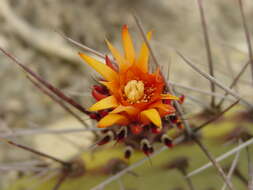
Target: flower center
134, 91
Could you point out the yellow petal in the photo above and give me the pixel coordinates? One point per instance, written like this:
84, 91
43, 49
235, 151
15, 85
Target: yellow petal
112, 86
128, 109
151, 115
112, 119
169, 97
108, 102
128, 45
108, 73
144, 55
119, 59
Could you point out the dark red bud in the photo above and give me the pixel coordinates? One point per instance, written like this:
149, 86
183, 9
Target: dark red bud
104, 140
145, 149
151, 150
179, 125
173, 118
99, 88
103, 113
107, 138
128, 152
136, 129
166, 141
94, 116
122, 134
97, 95
181, 99
155, 130
145, 146
105, 131
167, 102
109, 63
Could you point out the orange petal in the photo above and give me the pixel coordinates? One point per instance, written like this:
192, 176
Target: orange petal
128, 45
109, 102
108, 73
151, 115
144, 55
130, 110
112, 119
169, 97
164, 109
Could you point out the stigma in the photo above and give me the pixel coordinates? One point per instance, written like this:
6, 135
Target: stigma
134, 91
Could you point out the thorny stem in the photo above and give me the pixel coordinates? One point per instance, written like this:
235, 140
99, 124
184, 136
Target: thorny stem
121, 185
207, 76
60, 181
188, 180
228, 63
208, 47
236, 79
198, 102
241, 177
84, 47
180, 112
58, 101
55, 90
176, 141
222, 157
216, 116
177, 105
140, 27
247, 35
65, 164
250, 169
215, 164
189, 131
29, 132
199, 90
233, 167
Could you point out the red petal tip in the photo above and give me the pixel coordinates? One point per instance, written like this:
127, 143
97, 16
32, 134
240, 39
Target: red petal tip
124, 27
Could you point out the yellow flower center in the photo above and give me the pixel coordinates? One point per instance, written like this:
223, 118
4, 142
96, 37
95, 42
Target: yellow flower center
134, 91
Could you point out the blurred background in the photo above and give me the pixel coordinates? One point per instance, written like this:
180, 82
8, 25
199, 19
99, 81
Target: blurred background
30, 31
